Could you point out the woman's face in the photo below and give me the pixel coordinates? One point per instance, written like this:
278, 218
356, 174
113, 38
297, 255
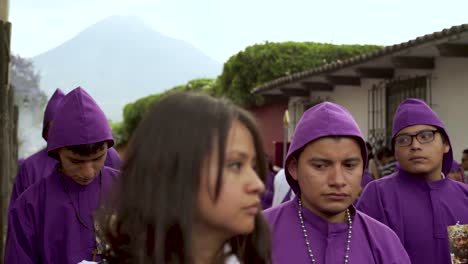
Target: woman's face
238, 203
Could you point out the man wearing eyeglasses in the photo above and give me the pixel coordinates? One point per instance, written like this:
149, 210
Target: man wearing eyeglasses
419, 202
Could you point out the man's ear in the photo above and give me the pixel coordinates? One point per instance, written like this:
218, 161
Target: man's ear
446, 148
292, 167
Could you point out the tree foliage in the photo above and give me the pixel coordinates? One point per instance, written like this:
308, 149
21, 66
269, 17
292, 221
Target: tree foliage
25, 80
30, 101
134, 112
117, 132
261, 63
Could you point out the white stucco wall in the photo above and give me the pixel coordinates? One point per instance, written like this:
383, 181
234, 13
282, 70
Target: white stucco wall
354, 98
450, 99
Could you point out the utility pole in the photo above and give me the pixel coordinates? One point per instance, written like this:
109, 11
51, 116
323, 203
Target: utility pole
285, 136
8, 119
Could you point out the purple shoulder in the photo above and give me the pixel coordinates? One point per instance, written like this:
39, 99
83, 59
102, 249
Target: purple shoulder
374, 225
38, 157
110, 171
384, 182
460, 185
273, 214
33, 194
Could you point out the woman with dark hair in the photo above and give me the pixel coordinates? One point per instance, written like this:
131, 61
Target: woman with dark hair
190, 187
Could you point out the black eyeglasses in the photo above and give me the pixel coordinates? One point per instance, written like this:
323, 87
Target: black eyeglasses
423, 137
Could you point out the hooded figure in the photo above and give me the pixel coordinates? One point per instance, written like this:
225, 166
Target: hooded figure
52, 221
40, 165
50, 111
419, 201
324, 167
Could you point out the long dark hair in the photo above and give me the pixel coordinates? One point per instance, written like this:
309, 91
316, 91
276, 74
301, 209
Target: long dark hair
149, 218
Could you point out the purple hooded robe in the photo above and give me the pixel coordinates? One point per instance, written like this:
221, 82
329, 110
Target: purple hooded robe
418, 210
40, 165
52, 221
372, 242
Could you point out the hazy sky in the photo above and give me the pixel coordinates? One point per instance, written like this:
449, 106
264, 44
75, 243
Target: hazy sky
222, 28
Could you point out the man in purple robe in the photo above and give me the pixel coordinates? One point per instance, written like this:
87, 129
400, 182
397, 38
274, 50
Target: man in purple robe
40, 165
324, 167
52, 221
418, 202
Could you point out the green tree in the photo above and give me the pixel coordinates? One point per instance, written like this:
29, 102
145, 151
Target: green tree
134, 112
261, 63
117, 132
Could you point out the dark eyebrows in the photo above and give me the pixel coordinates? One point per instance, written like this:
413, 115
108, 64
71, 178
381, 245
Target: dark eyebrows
240, 154
317, 160
417, 132
354, 159
323, 160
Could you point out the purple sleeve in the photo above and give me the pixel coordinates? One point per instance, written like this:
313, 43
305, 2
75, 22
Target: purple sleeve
20, 247
370, 203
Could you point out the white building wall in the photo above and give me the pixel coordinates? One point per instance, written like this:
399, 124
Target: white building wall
354, 98
295, 111
449, 83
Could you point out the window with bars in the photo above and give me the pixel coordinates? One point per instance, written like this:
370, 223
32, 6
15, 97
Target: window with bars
297, 108
385, 98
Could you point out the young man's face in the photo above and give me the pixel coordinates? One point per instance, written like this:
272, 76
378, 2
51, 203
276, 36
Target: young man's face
423, 157
329, 173
82, 169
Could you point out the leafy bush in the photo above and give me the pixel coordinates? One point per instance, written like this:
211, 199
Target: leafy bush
262, 63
